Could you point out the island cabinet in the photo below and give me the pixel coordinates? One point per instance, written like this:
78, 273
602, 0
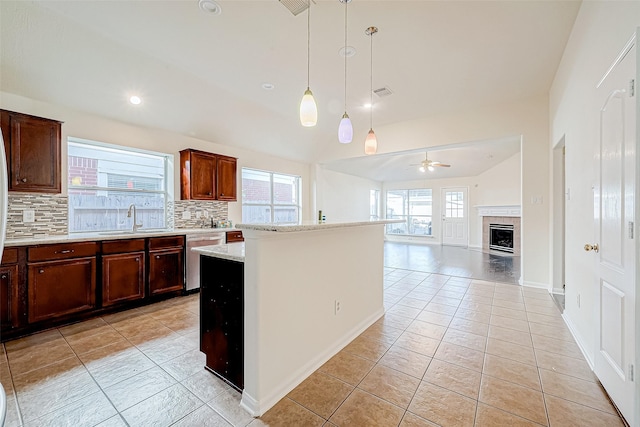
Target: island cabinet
123, 271
9, 296
207, 176
33, 146
222, 318
234, 236
166, 264
61, 280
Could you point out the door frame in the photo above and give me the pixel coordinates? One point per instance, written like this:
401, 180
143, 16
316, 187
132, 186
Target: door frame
466, 213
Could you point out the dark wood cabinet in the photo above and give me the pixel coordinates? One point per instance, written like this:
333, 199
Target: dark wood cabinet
166, 265
207, 176
123, 271
32, 145
226, 182
60, 288
234, 236
222, 318
9, 297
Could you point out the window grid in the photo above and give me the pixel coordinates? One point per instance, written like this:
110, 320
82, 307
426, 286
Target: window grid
270, 198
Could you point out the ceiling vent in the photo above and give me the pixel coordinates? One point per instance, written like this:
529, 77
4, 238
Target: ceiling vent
295, 6
382, 92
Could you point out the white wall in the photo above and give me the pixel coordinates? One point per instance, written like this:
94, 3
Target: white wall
600, 31
343, 197
528, 118
101, 129
499, 185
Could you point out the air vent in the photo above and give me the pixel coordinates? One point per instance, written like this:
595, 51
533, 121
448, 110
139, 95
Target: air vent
382, 92
295, 6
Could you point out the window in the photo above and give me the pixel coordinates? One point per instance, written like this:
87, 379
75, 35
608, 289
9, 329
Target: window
374, 205
270, 198
104, 180
412, 206
454, 204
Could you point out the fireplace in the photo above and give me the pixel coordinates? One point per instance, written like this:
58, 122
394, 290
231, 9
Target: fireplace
501, 237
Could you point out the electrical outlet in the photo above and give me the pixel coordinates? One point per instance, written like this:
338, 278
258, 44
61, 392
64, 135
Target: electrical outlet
337, 307
186, 215
28, 215
198, 214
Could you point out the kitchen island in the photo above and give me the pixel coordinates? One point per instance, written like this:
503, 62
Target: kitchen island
309, 290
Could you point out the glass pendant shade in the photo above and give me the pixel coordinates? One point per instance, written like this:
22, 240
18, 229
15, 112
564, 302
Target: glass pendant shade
345, 130
370, 143
308, 109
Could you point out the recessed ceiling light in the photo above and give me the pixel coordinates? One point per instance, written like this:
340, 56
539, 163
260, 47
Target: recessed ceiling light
347, 51
367, 105
135, 100
210, 6
268, 86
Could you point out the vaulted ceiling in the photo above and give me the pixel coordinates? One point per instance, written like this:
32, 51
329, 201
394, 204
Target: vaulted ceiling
202, 74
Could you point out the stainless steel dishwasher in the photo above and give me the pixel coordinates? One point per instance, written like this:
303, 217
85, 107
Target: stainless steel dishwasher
193, 259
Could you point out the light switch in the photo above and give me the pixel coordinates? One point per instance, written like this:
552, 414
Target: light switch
186, 215
28, 215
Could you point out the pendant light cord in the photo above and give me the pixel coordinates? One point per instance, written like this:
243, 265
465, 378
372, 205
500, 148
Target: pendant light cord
346, 4
371, 84
308, 41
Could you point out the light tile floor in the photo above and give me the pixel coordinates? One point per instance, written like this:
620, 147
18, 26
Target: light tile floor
449, 351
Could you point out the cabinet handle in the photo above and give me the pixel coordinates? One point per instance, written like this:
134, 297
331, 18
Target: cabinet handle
24, 180
137, 259
209, 193
3, 277
41, 271
65, 251
157, 256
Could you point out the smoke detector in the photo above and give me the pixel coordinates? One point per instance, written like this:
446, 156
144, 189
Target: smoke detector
210, 6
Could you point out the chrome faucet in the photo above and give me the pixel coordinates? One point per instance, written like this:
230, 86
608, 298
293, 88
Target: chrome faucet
135, 226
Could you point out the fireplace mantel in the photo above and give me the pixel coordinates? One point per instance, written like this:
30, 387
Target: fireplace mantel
499, 210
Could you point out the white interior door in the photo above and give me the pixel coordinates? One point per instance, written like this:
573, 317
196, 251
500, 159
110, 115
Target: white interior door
454, 217
614, 198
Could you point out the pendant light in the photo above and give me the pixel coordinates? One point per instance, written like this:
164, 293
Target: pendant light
345, 130
308, 109
371, 142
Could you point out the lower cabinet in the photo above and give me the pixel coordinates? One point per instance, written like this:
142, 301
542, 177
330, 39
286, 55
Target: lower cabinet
222, 318
166, 264
60, 288
123, 271
9, 317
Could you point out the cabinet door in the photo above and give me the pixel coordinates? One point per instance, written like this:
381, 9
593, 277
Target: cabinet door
166, 271
203, 176
59, 288
226, 178
9, 297
34, 159
122, 277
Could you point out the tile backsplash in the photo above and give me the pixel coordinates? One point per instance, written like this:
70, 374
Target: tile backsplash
51, 214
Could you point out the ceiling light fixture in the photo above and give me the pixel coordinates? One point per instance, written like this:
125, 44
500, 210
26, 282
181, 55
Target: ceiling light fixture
135, 100
345, 129
308, 108
371, 142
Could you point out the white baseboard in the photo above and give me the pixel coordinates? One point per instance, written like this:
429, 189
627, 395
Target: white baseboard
557, 291
534, 284
257, 408
578, 339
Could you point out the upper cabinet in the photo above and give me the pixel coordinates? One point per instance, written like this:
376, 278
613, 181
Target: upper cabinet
207, 176
32, 145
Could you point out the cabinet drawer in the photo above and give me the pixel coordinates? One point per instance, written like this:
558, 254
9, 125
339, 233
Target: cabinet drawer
122, 246
10, 256
62, 251
166, 242
234, 236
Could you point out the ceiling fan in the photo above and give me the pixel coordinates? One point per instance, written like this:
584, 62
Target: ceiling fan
429, 165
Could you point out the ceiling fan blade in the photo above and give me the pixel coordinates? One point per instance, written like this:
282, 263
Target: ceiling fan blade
441, 165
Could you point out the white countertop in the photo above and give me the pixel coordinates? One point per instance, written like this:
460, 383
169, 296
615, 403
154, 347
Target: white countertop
111, 235
312, 226
231, 251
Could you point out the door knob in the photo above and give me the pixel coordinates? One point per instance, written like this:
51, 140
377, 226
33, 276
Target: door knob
588, 247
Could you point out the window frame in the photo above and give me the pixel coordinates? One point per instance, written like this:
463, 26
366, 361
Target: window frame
272, 205
166, 192
407, 216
